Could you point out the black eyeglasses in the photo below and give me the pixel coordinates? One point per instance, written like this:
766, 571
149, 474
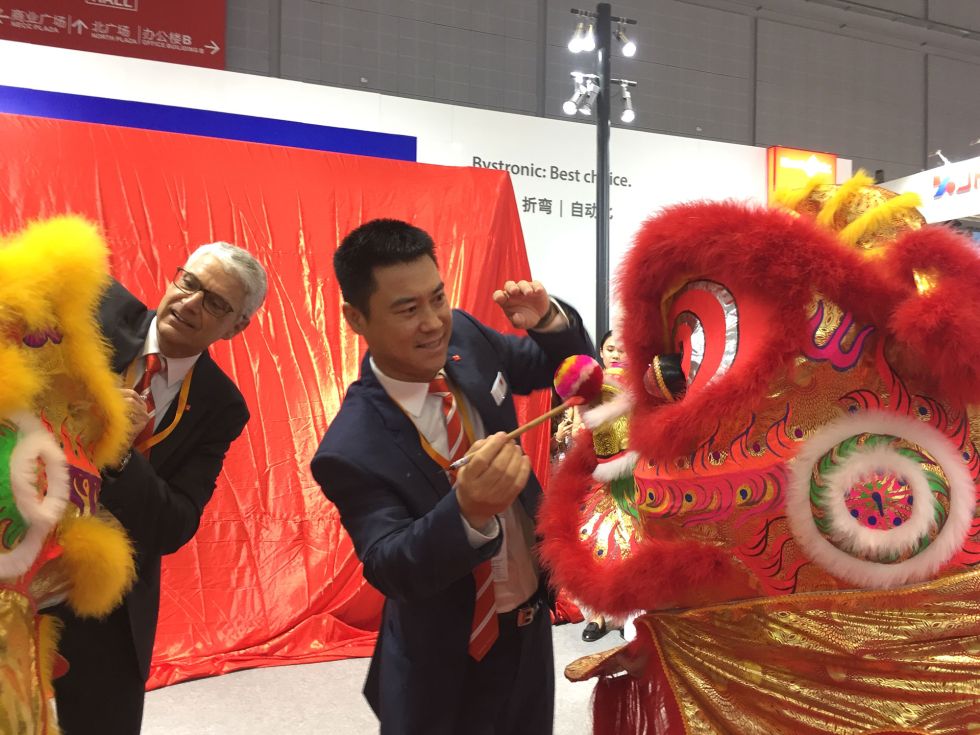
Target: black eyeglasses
214, 304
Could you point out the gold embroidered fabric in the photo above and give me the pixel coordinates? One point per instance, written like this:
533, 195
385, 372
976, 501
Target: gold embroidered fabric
612, 438
595, 664
904, 661
21, 701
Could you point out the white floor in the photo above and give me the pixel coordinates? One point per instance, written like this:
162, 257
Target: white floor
326, 698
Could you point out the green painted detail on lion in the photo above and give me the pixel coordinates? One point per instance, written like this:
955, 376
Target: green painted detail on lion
841, 453
13, 527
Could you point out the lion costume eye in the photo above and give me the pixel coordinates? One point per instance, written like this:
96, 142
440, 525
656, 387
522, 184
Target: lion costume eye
705, 330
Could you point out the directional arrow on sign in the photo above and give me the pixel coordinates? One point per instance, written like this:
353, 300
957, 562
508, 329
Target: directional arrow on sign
79, 26
215, 48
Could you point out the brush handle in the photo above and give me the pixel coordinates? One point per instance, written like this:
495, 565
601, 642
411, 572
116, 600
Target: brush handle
539, 420
573, 401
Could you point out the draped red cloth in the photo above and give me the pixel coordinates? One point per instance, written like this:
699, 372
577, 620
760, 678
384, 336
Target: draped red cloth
271, 576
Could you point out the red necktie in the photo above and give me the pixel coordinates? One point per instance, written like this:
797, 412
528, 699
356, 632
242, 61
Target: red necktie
154, 365
484, 629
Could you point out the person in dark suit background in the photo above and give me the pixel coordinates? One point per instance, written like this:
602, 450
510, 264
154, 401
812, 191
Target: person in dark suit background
160, 488
435, 542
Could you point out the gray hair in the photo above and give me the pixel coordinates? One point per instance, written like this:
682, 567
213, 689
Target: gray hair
243, 266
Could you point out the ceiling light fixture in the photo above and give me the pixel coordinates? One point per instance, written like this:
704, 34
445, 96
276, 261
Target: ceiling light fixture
627, 46
571, 104
628, 115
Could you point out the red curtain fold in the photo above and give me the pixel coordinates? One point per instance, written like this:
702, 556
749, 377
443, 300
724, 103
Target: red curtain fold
271, 577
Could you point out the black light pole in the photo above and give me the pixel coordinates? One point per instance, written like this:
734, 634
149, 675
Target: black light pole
603, 52
603, 81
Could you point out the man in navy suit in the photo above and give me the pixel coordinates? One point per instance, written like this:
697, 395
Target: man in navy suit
160, 488
465, 640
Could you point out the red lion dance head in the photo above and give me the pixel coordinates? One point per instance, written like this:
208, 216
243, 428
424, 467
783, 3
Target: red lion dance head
800, 528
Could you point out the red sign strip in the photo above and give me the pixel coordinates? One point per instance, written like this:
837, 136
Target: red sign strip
179, 31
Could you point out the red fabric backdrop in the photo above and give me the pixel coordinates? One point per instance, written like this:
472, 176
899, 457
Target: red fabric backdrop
271, 576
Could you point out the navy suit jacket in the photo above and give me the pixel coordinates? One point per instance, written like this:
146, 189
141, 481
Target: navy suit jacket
398, 507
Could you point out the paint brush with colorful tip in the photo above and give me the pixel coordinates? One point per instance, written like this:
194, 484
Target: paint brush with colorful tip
578, 380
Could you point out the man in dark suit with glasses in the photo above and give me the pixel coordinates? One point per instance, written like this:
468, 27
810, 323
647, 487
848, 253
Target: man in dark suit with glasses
159, 490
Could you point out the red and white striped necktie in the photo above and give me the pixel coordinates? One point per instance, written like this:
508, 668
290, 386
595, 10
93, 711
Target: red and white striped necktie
154, 365
484, 629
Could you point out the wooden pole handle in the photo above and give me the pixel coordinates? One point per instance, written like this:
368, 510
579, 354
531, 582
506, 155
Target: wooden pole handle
573, 401
539, 420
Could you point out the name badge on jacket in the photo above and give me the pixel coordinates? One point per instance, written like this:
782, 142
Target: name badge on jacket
499, 389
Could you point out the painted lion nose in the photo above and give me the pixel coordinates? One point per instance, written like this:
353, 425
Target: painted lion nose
665, 379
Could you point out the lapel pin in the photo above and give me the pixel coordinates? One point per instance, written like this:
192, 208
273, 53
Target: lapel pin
456, 358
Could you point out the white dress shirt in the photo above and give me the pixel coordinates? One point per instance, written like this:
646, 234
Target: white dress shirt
165, 385
514, 567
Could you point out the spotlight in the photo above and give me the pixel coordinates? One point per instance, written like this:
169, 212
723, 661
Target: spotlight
628, 114
578, 38
591, 92
628, 47
588, 41
571, 105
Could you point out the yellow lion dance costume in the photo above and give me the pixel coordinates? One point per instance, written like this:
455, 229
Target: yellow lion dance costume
61, 419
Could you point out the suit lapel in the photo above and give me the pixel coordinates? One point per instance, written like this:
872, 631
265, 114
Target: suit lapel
127, 343
466, 373
402, 431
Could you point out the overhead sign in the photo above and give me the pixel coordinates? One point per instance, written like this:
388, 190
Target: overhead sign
947, 192
793, 167
178, 31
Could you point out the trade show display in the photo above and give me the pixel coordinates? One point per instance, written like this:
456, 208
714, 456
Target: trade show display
270, 578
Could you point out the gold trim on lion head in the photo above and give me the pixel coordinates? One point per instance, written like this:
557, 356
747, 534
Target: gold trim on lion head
861, 214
